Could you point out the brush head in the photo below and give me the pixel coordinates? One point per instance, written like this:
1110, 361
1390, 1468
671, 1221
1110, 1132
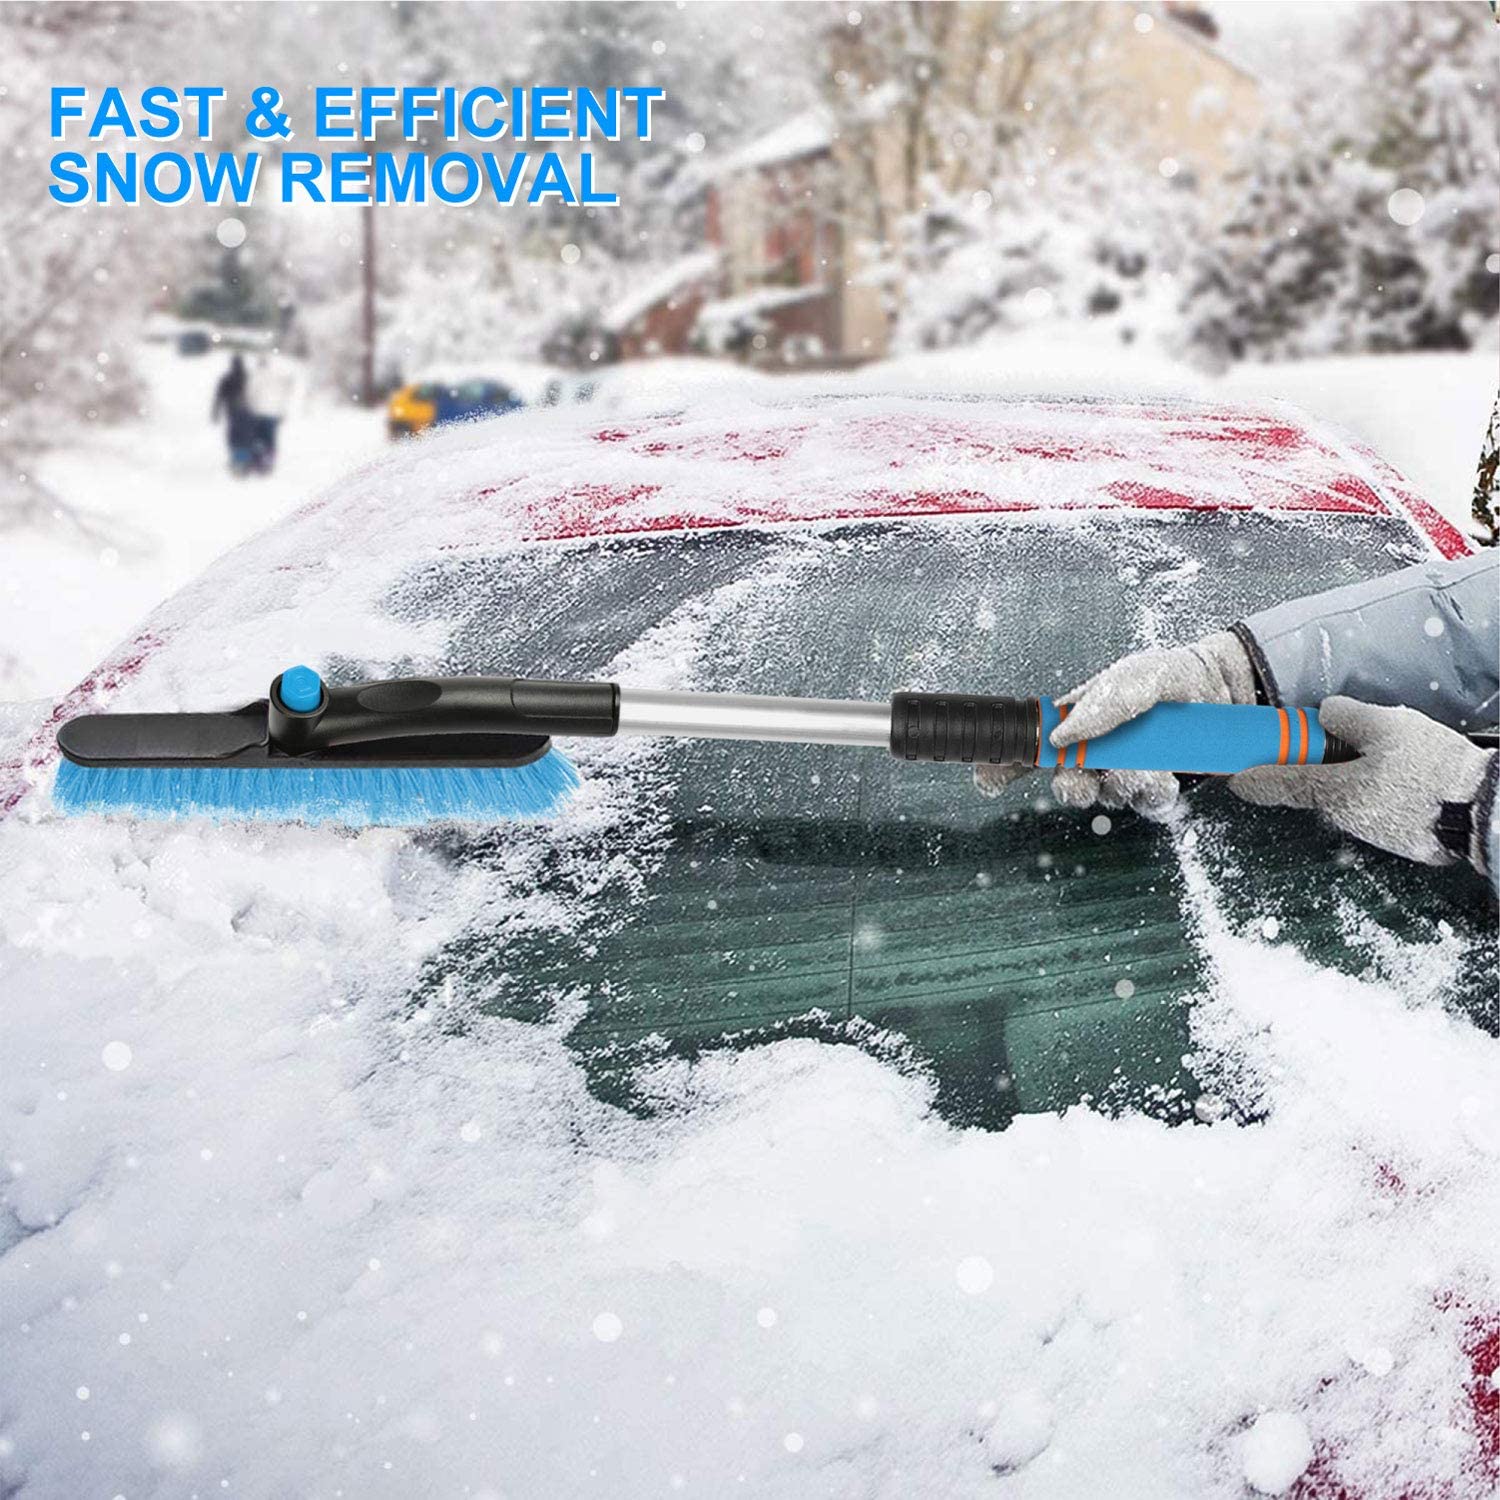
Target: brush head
351, 796
385, 758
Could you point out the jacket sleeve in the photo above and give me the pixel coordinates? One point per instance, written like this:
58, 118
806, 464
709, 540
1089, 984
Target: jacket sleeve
1427, 637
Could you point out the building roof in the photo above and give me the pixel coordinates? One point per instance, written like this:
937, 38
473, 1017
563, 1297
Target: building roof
807, 134
660, 284
757, 302
1177, 24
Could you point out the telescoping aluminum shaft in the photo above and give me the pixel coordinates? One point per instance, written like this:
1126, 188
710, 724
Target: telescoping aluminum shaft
741, 716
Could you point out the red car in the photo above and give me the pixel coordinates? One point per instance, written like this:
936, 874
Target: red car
701, 903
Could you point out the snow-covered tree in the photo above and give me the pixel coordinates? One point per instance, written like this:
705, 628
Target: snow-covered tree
73, 280
973, 171
1364, 214
1005, 257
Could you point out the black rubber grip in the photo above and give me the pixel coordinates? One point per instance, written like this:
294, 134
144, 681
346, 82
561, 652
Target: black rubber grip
442, 709
1335, 749
965, 728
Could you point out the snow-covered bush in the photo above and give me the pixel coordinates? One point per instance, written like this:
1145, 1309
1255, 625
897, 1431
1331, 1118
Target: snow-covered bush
997, 260
1365, 229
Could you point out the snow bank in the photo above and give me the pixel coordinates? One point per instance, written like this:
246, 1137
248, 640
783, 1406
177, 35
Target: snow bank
670, 383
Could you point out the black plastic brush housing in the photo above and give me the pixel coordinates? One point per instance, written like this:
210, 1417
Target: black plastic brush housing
455, 721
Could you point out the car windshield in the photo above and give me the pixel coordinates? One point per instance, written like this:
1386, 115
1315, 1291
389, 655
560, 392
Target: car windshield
1028, 956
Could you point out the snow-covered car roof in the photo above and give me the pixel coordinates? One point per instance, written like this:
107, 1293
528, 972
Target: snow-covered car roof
662, 1111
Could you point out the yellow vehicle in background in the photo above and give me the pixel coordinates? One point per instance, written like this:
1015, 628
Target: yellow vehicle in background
410, 410
456, 395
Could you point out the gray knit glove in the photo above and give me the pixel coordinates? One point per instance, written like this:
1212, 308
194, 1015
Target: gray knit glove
1213, 670
1391, 797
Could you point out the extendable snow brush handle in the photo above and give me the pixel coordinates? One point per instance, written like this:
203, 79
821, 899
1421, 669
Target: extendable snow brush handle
424, 722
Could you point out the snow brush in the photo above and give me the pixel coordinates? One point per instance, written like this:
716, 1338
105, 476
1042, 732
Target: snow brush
478, 749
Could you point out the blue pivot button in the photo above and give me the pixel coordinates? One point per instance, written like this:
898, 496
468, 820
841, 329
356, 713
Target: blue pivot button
301, 689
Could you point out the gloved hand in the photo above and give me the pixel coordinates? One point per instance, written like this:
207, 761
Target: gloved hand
1408, 767
1213, 670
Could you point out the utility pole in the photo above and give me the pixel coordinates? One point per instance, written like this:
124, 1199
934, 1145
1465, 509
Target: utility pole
367, 392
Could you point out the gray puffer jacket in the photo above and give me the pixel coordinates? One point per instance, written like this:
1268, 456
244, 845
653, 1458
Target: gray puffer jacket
1427, 637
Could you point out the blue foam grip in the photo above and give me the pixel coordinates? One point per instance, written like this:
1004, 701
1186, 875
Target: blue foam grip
1214, 739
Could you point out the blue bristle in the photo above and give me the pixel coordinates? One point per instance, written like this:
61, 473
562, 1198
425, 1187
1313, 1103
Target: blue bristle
352, 797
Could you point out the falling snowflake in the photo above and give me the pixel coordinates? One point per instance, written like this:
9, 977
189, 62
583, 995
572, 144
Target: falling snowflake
1406, 206
1038, 302
974, 1275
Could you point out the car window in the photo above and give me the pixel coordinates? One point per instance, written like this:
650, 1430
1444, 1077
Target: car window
1026, 956
427, 391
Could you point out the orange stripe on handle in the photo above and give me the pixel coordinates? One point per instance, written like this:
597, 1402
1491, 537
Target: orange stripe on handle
1286, 736
1302, 736
1062, 714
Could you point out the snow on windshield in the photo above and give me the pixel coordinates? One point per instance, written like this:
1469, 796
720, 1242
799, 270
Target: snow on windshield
280, 1219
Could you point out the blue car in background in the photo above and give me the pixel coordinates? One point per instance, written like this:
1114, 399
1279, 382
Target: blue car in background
446, 396
473, 398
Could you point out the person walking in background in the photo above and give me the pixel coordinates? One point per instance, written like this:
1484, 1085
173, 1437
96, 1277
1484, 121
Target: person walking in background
268, 394
230, 391
241, 431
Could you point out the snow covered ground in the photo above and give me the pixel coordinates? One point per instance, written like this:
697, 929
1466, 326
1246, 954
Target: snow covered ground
151, 502
271, 1228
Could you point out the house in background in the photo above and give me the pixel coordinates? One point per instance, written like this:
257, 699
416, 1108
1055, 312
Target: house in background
1174, 91
800, 224
791, 292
